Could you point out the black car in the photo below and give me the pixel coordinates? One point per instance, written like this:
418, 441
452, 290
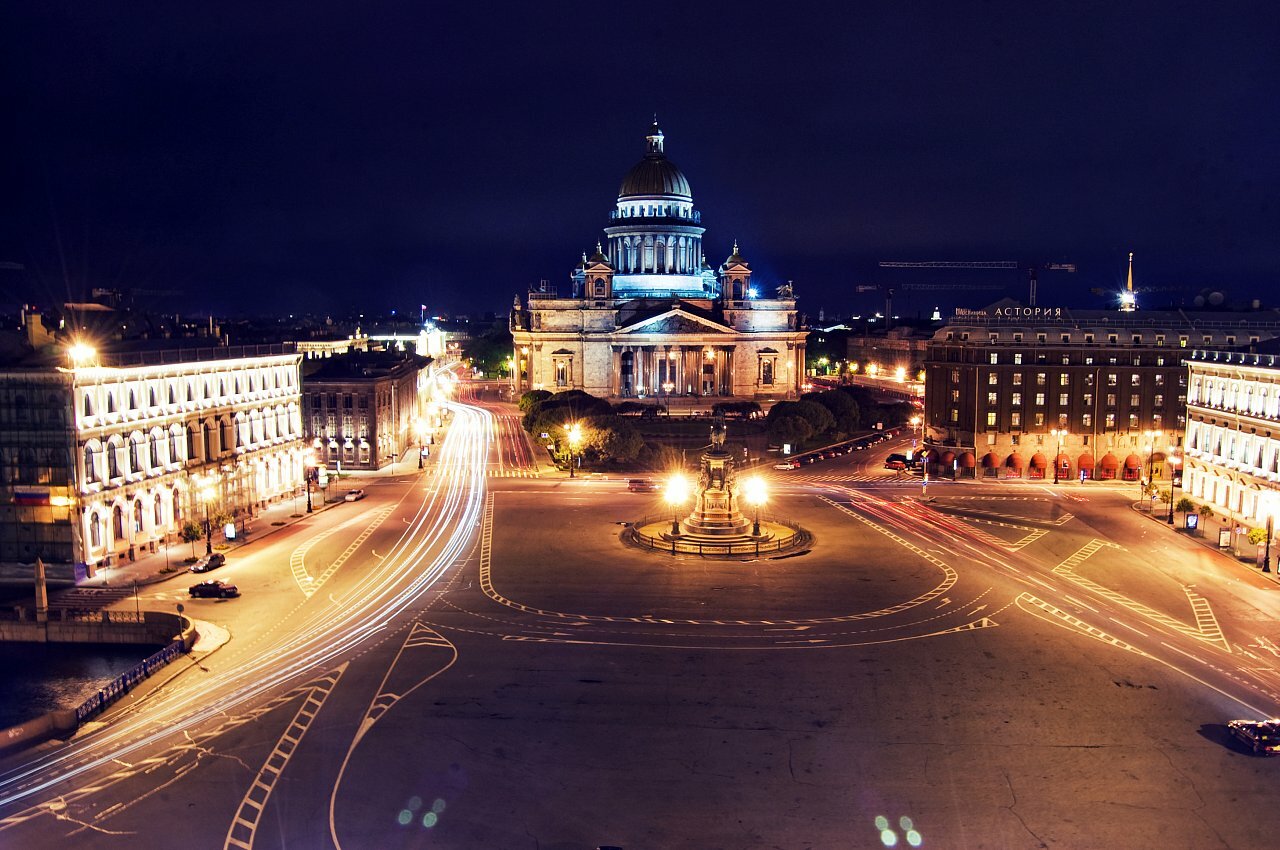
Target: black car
209, 562
213, 589
1261, 736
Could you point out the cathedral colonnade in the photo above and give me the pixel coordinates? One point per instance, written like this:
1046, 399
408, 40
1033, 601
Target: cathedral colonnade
667, 369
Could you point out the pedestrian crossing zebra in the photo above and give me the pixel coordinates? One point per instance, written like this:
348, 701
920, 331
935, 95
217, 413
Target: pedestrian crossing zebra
513, 473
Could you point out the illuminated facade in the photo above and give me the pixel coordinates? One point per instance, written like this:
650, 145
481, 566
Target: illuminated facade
97, 461
361, 408
1013, 391
647, 317
1233, 434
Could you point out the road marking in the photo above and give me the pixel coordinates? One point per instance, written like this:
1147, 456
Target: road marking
245, 823
1127, 626
309, 584
1206, 629
1027, 602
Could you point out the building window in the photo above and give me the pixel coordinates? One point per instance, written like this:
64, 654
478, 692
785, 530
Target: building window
1015, 419
1133, 421
1158, 400
1062, 400
1111, 399
1017, 358
1062, 420
1015, 399
955, 376
1111, 420
992, 379
955, 395
991, 399
1111, 379
993, 358
1087, 420
1016, 338
1017, 379
1134, 400
1112, 339
1041, 378
1066, 338
955, 415
1041, 339
1157, 420
1064, 380
1182, 342
1039, 420
1040, 399
1135, 380
1088, 399
991, 419
1088, 339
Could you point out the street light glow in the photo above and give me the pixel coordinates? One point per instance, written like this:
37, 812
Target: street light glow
755, 491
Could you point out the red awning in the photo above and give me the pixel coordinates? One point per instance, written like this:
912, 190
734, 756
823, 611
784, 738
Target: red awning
967, 460
990, 461
947, 458
1085, 462
1109, 461
1063, 461
1014, 461
1132, 462
1039, 461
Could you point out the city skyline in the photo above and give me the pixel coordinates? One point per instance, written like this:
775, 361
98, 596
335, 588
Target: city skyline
265, 162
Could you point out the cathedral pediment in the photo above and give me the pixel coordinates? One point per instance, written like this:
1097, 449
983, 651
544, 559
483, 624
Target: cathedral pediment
676, 322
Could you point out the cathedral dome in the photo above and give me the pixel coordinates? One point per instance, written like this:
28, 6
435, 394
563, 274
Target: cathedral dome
655, 174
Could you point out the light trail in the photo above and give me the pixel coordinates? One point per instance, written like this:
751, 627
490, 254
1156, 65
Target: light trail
446, 521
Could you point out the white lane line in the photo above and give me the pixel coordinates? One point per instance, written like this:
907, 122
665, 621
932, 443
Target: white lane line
1127, 626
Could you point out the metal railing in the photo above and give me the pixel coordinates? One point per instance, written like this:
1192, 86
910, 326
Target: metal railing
695, 547
122, 684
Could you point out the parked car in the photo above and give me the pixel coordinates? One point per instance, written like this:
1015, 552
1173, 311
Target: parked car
354, 495
643, 485
1261, 736
786, 464
895, 464
213, 589
208, 562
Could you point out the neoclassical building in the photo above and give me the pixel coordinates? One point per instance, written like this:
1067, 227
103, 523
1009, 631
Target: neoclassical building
1233, 433
100, 461
647, 316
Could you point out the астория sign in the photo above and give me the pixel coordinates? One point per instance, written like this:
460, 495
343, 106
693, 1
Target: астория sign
1024, 312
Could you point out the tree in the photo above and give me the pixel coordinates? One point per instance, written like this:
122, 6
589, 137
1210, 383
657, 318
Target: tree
531, 398
843, 409
610, 439
818, 417
490, 349
1166, 496
1257, 536
1184, 506
789, 429
191, 532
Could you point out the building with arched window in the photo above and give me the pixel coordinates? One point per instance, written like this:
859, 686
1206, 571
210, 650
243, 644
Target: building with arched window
648, 317
95, 460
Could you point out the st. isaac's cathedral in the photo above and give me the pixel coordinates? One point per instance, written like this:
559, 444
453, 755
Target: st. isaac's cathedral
648, 317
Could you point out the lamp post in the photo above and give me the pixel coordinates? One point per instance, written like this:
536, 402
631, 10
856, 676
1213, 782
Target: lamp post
420, 429
677, 491
1174, 463
756, 494
308, 464
1266, 556
574, 431
1151, 436
205, 491
1058, 433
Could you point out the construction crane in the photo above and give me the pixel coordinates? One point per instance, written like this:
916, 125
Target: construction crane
918, 287
1033, 270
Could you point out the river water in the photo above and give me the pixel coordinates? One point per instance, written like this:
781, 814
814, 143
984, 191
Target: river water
40, 677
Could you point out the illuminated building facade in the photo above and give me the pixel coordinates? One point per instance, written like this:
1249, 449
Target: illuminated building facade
97, 461
361, 407
1012, 391
1233, 434
647, 317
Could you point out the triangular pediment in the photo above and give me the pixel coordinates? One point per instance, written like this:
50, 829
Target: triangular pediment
676, 321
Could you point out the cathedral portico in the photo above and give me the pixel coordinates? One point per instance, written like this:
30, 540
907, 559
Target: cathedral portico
649, 317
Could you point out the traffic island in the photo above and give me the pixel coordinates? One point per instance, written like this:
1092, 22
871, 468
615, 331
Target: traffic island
717, 526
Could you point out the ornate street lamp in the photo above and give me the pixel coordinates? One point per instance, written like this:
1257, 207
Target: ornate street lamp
574, 430
308, 465
756, 494
1058, 433
1174, 463
1151, 436
676, 493
206, 490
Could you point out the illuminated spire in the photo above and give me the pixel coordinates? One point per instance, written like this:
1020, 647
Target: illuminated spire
1128, 301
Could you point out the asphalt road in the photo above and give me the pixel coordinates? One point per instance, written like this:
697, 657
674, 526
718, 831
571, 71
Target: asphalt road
470, 661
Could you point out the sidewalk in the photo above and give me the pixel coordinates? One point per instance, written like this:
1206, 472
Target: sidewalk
1161, 517
170, 561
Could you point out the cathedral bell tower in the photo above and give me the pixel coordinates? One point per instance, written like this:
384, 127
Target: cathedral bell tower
593, 279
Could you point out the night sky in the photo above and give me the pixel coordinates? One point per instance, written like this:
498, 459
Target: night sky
329, 157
